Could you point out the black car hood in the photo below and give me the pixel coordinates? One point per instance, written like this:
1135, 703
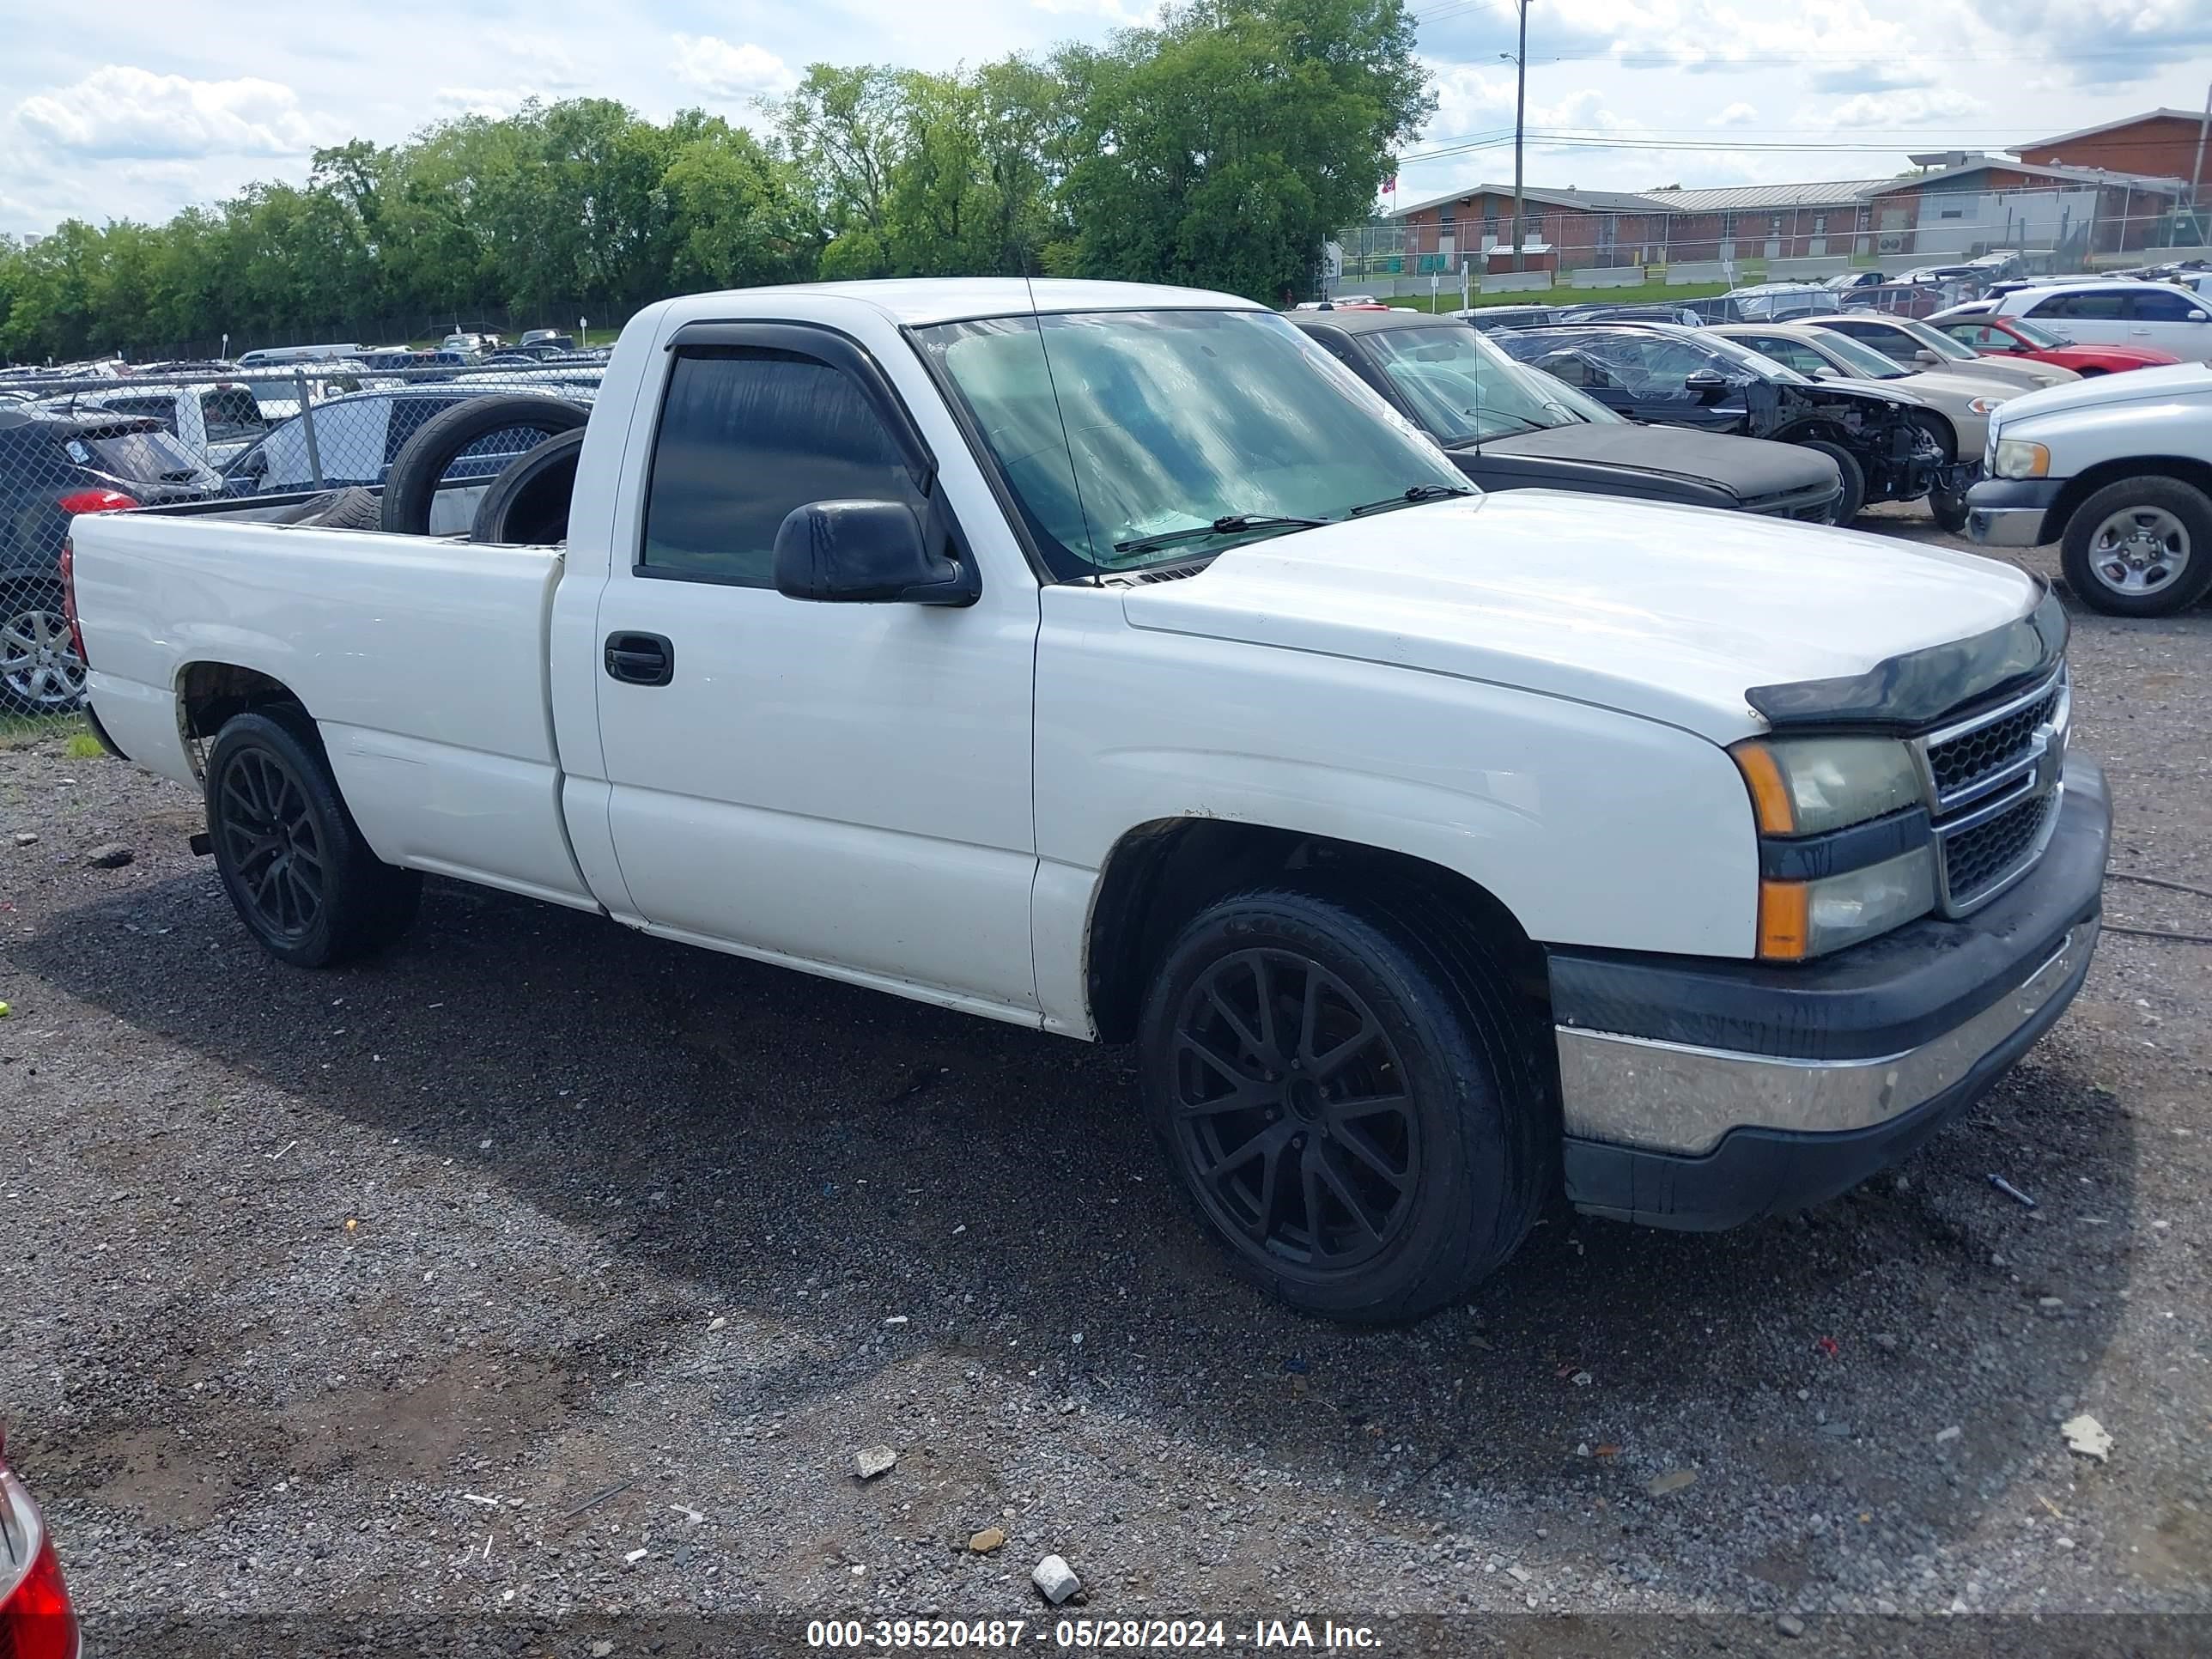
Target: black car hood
1749, 468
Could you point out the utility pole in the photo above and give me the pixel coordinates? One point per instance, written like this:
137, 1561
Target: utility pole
2197, 172
1520, 112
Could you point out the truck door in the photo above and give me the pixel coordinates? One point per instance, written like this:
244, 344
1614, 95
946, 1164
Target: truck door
844, 785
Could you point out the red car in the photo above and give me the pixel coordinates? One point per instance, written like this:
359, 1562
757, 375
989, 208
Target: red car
36, 1620
2012, 336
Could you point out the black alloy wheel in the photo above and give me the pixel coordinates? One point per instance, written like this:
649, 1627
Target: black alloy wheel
1293, 1108
272, 844
298, 872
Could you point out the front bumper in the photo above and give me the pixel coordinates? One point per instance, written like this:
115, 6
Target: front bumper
2013, 512
1699, 1095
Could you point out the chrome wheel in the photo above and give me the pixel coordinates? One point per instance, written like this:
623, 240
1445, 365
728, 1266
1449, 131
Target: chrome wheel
1291, 1107
2139, 551
39, 667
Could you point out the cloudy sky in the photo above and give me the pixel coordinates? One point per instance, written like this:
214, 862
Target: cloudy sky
183, 100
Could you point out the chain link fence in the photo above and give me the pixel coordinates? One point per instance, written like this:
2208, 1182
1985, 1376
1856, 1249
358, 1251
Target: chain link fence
100, 437
1699, 237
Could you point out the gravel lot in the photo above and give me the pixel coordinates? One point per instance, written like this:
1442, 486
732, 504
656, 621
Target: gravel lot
343, 1295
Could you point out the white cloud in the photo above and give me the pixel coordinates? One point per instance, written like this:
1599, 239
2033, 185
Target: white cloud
714, 65
494, 101
1736, 115
118, 110
1897, 109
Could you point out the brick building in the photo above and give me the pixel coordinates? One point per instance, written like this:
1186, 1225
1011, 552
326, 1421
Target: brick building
1956, 205
1963, 204
2160, 143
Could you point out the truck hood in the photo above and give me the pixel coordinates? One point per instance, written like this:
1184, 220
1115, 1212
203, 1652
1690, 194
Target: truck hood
2175, 383
1670, 613
1750, 469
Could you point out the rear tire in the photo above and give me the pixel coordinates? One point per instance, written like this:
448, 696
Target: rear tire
1853, 500
1277, 1011
411, 487
2142, 547
293, 860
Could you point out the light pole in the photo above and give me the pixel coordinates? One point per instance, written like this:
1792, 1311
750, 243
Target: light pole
2196, 169
1520, 62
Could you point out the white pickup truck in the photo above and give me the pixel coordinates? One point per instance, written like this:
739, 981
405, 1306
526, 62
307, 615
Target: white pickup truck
1109, 660
2118, 470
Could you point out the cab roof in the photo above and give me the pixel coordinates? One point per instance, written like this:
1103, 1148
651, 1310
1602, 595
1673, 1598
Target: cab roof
919, 301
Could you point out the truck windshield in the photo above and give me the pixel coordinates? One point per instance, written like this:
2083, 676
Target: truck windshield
1465, 389
1122, 429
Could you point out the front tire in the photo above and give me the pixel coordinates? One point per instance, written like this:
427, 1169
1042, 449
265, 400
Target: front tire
1853, 500
293, 860
1352, 1097
2142, 547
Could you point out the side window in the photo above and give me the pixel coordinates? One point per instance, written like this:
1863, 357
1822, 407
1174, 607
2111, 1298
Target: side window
2088, 307
404, 418
2158, 304
287, 453
745, 436
1893, 343
1791, 354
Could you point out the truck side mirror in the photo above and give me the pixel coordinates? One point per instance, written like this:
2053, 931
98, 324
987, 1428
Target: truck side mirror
865, 552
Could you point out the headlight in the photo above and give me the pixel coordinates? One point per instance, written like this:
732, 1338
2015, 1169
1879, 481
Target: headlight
1801, 918
1804, 785
2017, 457
1981, 406
1817, 801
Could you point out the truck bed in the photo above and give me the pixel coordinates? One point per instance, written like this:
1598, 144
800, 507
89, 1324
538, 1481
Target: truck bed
423, 659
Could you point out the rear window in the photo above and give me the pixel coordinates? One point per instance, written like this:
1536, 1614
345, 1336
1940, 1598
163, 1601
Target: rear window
161, 408
231, 412
150, 456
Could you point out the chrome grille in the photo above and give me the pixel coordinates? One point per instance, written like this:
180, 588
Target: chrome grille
1992, 782
1973, 756
1977, 861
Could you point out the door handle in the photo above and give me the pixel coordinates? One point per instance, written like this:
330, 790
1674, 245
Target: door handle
640, 659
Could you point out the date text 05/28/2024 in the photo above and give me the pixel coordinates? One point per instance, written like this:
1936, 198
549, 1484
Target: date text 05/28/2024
1071, 1635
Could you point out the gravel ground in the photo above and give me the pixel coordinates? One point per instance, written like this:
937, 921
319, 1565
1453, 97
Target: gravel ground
541, 1271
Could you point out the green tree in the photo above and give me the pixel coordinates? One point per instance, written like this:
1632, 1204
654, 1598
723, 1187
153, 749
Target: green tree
1225, 145
737, 213
844, 129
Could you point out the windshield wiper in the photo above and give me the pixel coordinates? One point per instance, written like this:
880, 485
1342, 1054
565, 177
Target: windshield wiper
1229, 524
1408, 498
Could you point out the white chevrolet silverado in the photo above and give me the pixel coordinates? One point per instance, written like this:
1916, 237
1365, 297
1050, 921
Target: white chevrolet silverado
1109, 660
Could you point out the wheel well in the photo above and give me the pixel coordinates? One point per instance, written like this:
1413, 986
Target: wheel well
2080, 489
1942, 428
210, 693
1162, 874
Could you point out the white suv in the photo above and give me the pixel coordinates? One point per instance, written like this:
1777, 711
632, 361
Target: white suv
2123, 312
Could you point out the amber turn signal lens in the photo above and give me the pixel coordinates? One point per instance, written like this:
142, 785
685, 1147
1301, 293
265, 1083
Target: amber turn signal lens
1784, 925
1769, 794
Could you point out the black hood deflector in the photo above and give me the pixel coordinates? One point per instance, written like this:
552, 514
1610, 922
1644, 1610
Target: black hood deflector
1905, 693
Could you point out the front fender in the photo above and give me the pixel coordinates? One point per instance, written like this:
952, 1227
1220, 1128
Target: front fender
1591, 826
